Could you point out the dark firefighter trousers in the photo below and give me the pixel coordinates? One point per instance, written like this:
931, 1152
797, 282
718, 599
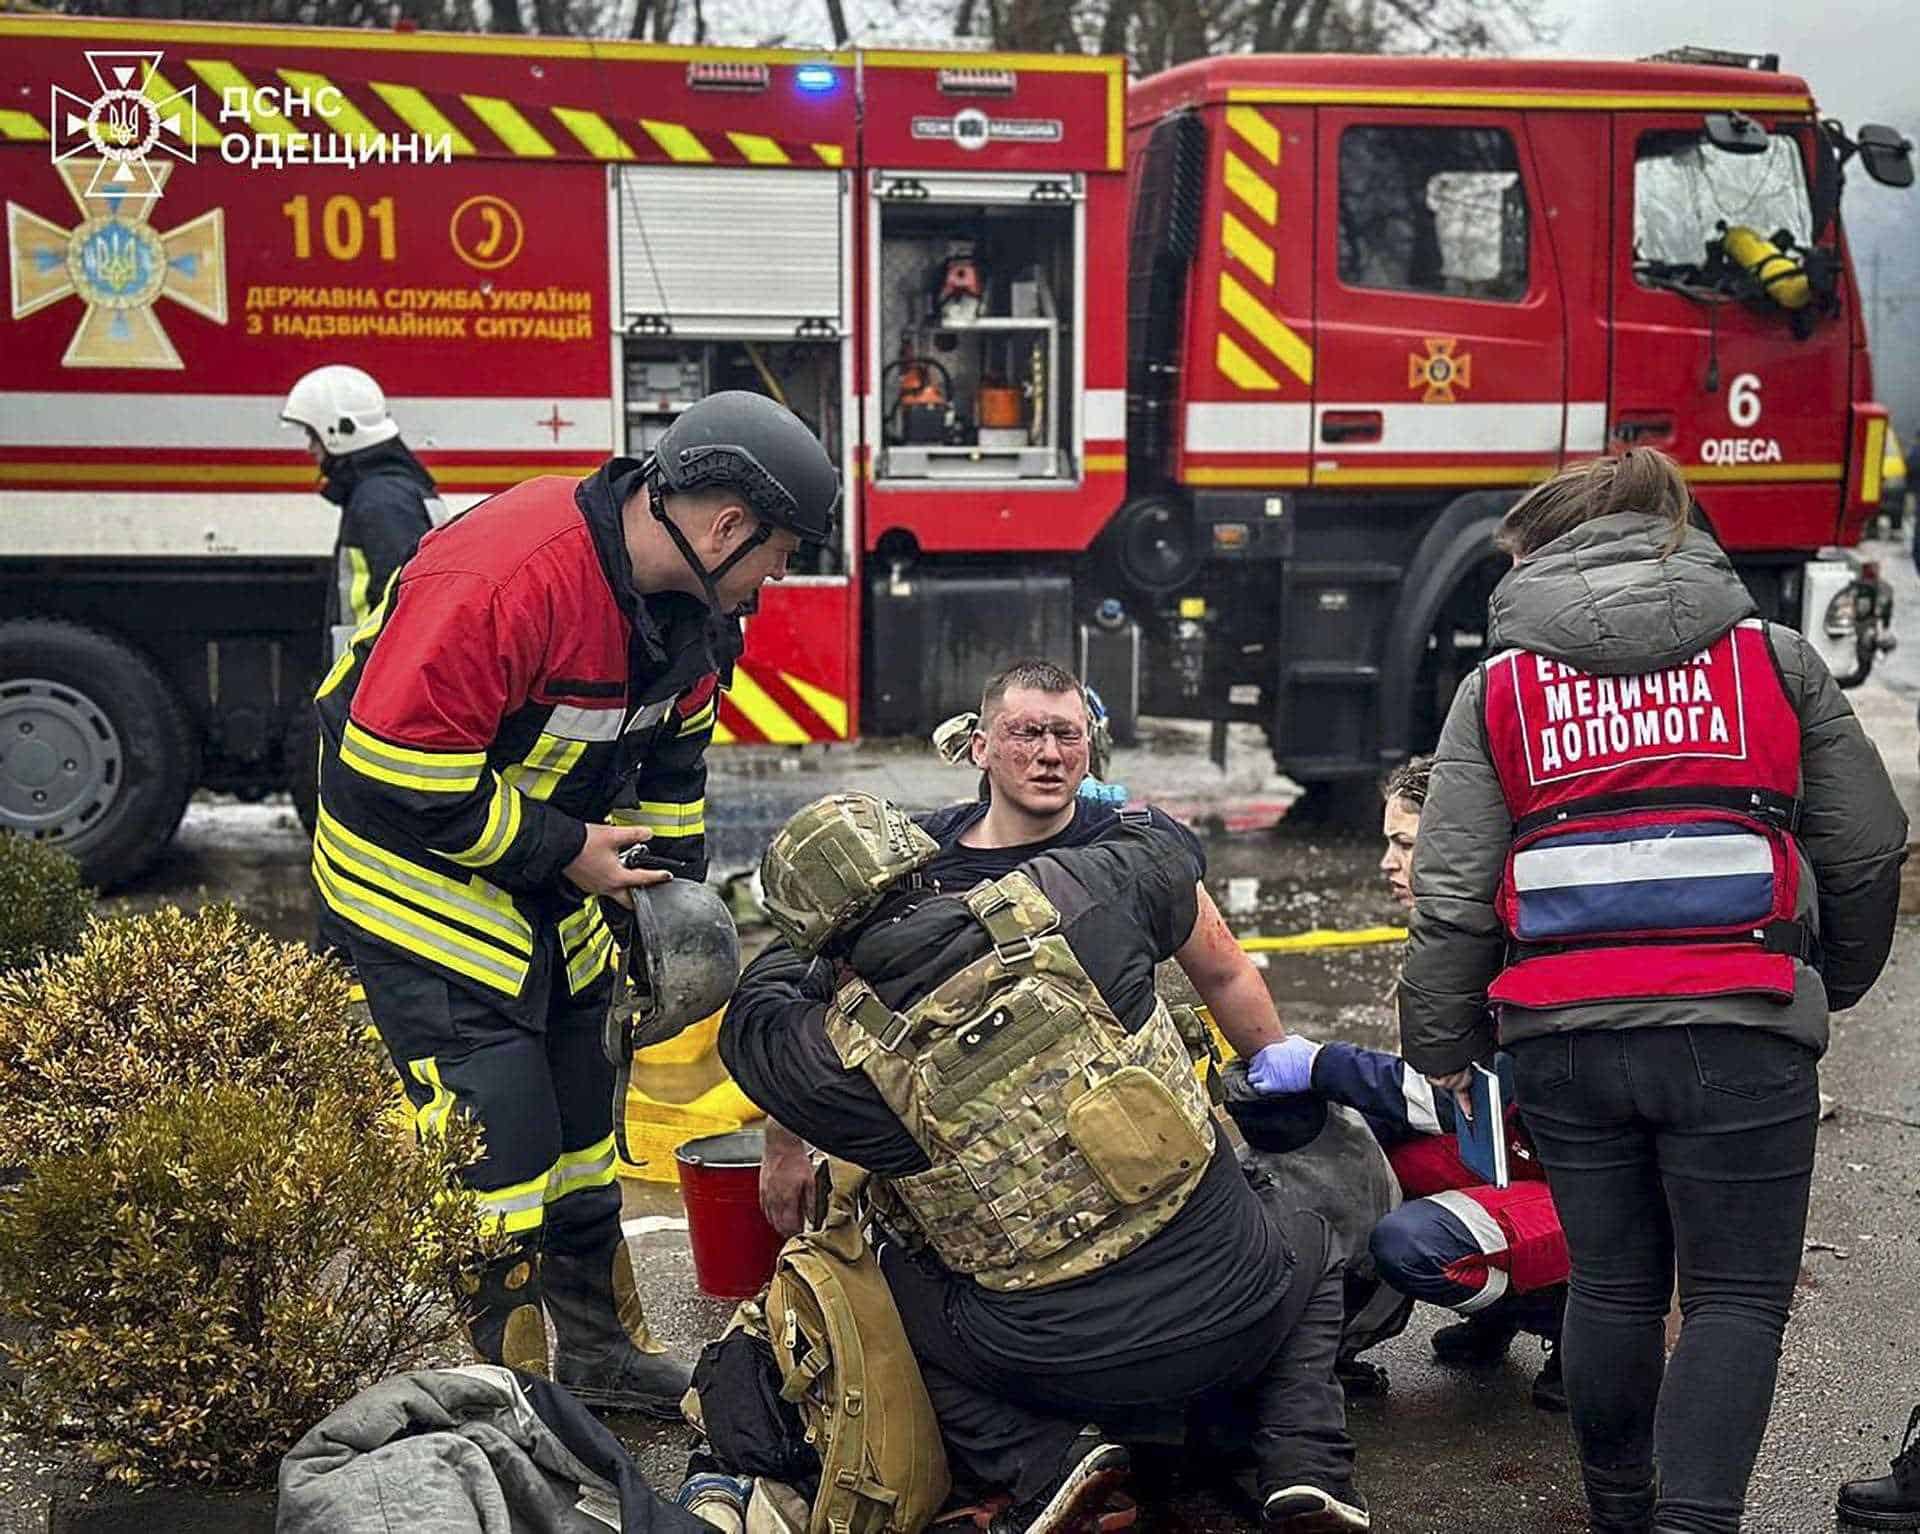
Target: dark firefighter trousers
543, 1094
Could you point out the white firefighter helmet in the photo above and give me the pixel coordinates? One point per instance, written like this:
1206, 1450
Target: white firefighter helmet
343, 407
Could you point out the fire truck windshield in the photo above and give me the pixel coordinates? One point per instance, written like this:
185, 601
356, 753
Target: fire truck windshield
1686, 192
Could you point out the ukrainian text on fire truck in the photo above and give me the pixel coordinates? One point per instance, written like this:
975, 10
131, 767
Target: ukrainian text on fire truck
268, 109
1574, 720
415, 314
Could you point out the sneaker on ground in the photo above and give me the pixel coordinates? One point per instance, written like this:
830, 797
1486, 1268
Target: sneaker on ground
1085, 1500
720, 1499
1307, 1509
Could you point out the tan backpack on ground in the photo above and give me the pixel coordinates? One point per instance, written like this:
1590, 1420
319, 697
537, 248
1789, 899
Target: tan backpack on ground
844, 1361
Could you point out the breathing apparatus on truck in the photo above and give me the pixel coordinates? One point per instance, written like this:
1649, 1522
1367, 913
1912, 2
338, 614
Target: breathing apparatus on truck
1777, 274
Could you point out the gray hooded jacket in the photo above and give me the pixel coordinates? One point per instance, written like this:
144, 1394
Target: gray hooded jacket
1601, 598
478, 1450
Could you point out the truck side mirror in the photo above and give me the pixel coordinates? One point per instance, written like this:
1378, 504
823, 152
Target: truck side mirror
1736, 133
1886, 155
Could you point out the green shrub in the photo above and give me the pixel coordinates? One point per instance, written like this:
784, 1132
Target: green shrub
168, 1000
227, 1268
43, 903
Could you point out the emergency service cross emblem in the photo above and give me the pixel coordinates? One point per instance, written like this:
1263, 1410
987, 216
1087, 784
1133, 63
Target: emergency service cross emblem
119, 266
131, 115
1439, 370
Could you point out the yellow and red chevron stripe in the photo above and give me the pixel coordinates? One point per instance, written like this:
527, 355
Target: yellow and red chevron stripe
1251, 337
474, 125
766, 705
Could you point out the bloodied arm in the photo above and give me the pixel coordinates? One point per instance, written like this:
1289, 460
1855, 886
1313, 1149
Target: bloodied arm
1227, 981
786, 1178
1456, 943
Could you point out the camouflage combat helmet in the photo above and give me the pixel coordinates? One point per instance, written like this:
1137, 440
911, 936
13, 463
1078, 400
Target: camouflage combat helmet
831, 862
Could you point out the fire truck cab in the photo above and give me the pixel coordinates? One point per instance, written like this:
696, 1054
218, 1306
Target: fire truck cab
1375, 299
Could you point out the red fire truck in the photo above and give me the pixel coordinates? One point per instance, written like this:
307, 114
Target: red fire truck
1213, 387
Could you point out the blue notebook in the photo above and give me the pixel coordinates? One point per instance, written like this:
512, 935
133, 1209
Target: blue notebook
1483, 1138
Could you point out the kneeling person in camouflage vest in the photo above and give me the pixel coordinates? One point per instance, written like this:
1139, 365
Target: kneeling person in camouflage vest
1071, 1245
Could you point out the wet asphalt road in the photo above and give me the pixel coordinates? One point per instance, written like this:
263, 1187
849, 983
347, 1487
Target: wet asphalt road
1441, 1451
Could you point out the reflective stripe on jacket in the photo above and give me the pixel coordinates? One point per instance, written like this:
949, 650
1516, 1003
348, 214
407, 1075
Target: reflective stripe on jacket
510, 688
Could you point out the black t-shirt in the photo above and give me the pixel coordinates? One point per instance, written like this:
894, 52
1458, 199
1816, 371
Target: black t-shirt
960, 868
1217, 1266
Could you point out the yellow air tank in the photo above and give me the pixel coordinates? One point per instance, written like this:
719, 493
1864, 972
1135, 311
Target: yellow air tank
1781, 278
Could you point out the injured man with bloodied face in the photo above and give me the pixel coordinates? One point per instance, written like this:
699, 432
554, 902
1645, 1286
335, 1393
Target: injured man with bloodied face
1074, 1254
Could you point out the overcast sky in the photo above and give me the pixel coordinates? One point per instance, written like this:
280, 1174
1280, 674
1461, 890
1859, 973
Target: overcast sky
1862, 59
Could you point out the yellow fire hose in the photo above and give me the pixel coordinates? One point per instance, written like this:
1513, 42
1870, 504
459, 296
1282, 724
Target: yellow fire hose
1323, 937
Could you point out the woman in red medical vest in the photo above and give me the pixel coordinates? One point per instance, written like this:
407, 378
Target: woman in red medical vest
1657, 851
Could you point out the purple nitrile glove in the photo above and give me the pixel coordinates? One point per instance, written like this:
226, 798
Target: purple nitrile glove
1284, 1067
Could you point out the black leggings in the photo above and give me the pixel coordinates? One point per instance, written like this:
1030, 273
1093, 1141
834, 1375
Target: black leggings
1687, 1148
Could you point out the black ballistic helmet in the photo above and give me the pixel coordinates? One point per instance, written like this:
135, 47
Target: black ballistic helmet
743, 441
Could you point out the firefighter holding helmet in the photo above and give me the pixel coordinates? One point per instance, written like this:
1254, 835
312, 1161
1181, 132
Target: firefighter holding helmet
512, 747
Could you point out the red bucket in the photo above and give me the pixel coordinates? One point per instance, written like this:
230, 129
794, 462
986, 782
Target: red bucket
733, 1245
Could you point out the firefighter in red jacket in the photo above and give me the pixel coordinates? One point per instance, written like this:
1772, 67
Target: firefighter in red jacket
533, 699
1658, 843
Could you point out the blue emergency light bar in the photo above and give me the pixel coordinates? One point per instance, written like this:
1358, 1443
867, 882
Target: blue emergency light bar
816, 77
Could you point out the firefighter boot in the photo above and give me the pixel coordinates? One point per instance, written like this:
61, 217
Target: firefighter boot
503, 1312
605, 1354
1890, 1501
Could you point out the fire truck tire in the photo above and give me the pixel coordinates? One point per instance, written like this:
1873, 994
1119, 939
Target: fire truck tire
1154, 544
97, 753
302, 752
1338, 805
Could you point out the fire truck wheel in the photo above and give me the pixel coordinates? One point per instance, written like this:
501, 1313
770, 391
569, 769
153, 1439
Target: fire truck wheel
302, 751
1339, 804
97, 755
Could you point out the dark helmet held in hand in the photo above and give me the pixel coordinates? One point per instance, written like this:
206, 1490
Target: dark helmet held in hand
681, 959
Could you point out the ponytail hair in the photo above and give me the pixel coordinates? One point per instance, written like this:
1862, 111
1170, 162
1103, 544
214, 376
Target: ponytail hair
1641, 479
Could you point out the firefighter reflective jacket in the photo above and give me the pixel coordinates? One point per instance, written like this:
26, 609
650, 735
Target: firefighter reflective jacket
387, 503
1059, 1140
512, 686
1653, 819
